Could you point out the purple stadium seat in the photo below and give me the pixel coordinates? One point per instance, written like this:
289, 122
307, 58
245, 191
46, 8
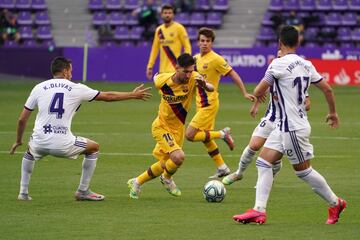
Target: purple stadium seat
349, 19
197, 19
259, 44
44, 32
131, 20
354, 5
29, 43
266, 20
308, 5
171, 2
42, 18
23, 4
47, 43
347, 45
329, 45
10, 44
311, 45
121, 33
333, 19
26, 32
24, 18
99, 18
220, 5
340, 5
276, 5
214, 19
38, 5
127, 43
192, 33
202, 5
311, 34
324, 5
328, 34
9, 4
356, 34
344, 34
266, 34
320, 19
131, 4
95, 5
113, 5
136, 32
183, 18
116, 18
144, 44
292, 5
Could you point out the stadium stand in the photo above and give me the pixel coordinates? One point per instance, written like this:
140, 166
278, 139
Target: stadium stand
125, 27
328, 23
34, 25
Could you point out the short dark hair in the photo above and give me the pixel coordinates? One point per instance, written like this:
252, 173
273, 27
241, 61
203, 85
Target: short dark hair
289, 36
207, 32
185, 60
167, 7
59, 64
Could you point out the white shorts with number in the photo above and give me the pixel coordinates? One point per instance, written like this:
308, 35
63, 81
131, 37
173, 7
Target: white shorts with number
264, 128
72, 151
294, 144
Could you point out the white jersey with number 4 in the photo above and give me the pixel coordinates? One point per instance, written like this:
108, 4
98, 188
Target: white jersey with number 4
291, 76
57, 101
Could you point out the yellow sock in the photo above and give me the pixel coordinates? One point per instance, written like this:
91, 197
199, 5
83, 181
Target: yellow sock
153, 171
205, 136
170, 169
214, 152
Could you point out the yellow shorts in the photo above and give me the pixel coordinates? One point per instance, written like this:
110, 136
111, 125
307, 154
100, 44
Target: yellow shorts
167, 141
204, 118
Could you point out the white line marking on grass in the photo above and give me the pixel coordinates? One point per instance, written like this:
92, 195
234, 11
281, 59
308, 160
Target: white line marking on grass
187, 154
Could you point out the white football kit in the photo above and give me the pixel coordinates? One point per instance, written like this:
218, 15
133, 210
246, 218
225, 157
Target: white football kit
57, 101
291, 76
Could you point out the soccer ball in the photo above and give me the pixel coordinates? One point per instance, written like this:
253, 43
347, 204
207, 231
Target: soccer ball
214, 191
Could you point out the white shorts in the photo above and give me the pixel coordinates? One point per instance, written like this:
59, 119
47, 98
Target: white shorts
294, 144
71, 151
264, 128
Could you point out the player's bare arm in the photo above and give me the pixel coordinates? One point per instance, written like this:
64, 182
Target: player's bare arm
332, 118
204, 84
260, 90
237, 80
254, 109
138, 93
21, 126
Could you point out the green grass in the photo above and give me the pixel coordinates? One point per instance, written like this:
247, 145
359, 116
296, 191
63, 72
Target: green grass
123, 130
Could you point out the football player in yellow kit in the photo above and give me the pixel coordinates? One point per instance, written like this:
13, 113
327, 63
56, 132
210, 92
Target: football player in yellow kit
201, 128
170, 37
176, 90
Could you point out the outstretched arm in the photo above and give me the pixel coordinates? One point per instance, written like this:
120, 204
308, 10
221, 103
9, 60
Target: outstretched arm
237, 80
138, 93
21, 126
332, 118
200, 81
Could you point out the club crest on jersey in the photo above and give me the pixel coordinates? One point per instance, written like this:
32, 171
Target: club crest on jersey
185, 89
172, 34
205, 66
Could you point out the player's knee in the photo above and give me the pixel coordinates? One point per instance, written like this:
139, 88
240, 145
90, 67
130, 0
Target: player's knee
255, 146
178, 157
189, 134
93, 147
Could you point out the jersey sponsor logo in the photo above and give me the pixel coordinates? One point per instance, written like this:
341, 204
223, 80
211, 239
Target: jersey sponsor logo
57, 129
177, 108
174, 99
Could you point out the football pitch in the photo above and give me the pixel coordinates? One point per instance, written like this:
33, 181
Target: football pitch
123, 130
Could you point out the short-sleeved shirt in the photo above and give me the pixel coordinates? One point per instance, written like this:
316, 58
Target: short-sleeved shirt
291, 76
175, 100
57, 101
211, 66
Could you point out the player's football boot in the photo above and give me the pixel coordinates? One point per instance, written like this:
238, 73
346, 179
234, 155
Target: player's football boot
170, 186
334, 212
221, 172
227, 138
250, 216
230, 179
88, 195
24, 197
134, 188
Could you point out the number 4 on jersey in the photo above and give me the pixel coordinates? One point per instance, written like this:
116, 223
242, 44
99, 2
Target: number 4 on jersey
56, 105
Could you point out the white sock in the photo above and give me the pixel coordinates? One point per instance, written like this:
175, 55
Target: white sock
88, 168
27, 167
318, 185
264, 184
245, 159
276, 167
